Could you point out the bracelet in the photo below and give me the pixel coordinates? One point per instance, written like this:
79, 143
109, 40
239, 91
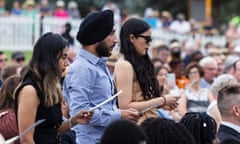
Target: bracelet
164, 101
71, 123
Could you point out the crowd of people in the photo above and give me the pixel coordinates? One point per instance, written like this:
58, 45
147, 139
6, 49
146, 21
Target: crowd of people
171, 92
164, 19
31, 9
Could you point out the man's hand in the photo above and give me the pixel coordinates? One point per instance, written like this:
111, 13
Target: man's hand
83, 117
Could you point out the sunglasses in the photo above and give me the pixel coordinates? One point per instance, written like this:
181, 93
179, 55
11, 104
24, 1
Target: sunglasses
147, 38
2, 60
20, 59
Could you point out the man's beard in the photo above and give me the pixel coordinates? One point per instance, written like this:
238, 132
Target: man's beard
102, 50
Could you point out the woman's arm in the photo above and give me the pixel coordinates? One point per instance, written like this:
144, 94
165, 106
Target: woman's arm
123, 76
28, 103
182, 107
210, 97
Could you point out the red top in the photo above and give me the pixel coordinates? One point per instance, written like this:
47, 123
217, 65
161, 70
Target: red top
8, 124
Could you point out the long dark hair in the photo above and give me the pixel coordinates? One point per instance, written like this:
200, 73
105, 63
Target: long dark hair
44, 66
142, 65
6, 93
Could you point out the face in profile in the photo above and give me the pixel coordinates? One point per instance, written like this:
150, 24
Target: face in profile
105, 47
63, 61
142, 42
102, 50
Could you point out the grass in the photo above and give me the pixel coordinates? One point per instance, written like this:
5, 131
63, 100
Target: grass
28, 55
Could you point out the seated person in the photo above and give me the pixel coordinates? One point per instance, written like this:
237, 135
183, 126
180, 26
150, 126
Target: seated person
165, 131
123, 132
202, 126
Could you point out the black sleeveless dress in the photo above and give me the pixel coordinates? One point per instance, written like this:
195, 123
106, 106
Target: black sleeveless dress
45, 133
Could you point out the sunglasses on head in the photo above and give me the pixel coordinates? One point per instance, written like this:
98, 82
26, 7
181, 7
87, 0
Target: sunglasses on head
2, 60
147, 38
20, 59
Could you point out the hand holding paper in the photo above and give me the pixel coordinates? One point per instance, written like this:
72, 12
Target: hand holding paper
148, 109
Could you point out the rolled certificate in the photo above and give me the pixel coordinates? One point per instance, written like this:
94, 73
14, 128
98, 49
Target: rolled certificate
148, 109
11, 140
104, 102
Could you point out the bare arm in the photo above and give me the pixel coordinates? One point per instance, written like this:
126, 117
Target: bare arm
182, 107
124, 75
210, 97
28, 103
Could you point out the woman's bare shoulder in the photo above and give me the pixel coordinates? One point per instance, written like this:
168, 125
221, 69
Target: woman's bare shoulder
123, 64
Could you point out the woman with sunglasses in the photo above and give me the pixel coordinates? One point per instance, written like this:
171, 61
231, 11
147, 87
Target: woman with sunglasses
134, 72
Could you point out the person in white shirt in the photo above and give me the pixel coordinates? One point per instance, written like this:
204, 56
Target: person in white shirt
180, 25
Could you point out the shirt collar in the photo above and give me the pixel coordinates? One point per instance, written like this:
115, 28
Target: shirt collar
231, 125
92, 58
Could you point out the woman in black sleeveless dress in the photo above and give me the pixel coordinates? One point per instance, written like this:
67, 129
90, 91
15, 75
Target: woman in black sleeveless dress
39, 94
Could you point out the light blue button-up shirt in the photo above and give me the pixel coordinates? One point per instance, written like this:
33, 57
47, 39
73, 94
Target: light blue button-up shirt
87, 84
204, 83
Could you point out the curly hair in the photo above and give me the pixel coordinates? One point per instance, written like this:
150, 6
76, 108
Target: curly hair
191, 66
165, 131
202, 126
